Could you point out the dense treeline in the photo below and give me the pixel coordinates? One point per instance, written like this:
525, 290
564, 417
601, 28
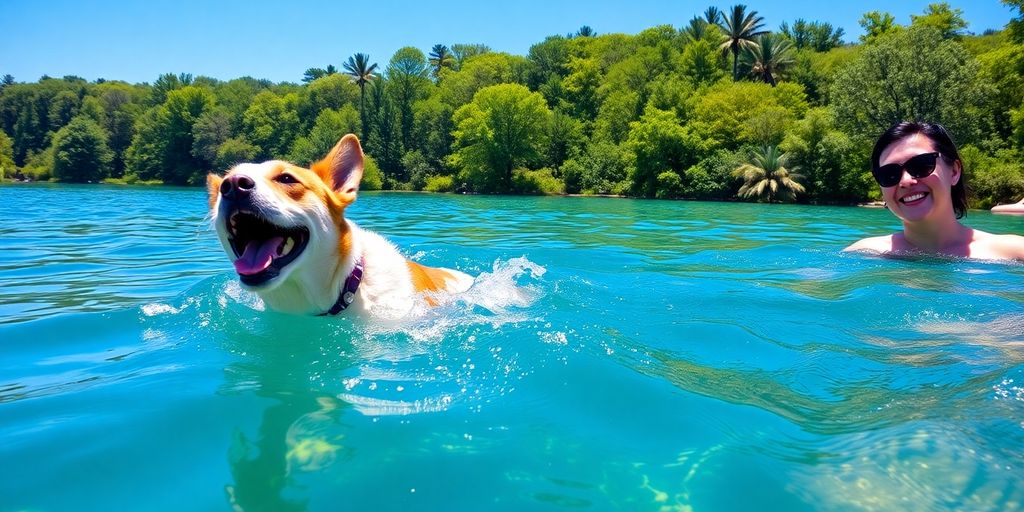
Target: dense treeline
719, 108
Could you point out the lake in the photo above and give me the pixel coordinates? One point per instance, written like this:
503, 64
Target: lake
613, 354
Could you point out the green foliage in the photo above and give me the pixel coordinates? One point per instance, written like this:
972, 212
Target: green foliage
765, 175
7, 167
80, 152
539, 182
486, 70
834, 166
877, 24
670, 185
439, 184
418, 168
329, 128
948, 21
817, 36
913, 74
463, 52
373, 178
701, 62
433, 130
164, 138
233, 152
712, 177
408, 82
740, 29
597, 170
722, 112
658, 143
770, 58
992, 179
649, 114
501, 129
271, 123
39, 166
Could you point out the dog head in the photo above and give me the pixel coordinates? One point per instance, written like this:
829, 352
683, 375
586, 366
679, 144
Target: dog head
281, 223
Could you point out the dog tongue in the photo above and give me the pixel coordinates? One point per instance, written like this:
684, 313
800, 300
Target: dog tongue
258, 256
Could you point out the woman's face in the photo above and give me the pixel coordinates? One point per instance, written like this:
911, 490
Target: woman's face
919, 199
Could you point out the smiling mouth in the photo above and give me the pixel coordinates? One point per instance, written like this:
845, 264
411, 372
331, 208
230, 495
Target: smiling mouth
262, 249
913, 197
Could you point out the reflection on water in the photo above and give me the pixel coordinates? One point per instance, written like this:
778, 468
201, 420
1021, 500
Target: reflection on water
613, 355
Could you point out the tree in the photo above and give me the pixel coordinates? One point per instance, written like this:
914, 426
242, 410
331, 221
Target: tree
408, 82
740, 30
458, 88
830, 160
162, 145
80, 152
312, 74
233, 152
210, 130
948, 21
7, 168
440, 58
696, 29
272, 123
821, 37
659, 144
914, 74
463, 52
770, 57
501, 129
713, 16
1015, 26
358, 67
586, 31
765, 176
877, 24
329, 127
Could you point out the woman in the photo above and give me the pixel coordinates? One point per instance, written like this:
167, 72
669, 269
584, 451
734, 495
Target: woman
919, 170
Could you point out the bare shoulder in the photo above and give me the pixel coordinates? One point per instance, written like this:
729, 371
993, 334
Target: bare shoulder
879, 244
997, 247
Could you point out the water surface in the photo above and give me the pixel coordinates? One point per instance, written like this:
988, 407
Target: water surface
613, 355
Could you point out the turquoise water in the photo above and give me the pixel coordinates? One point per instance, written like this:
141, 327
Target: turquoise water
613, 355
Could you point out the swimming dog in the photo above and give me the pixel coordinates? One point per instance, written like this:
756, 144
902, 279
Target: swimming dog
284, 227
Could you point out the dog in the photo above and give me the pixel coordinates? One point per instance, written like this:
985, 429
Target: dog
284, 226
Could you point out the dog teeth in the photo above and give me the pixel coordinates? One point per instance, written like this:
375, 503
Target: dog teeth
286, 247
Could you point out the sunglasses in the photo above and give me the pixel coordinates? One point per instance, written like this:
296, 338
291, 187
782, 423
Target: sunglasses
919, 166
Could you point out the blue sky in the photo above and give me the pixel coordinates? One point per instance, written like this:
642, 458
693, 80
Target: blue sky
136, 41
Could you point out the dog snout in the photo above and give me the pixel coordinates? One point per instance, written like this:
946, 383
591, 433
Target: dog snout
237, 187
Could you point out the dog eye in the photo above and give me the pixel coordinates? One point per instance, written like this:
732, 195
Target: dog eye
286, 178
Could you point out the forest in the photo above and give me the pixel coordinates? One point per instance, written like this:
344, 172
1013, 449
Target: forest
720, 107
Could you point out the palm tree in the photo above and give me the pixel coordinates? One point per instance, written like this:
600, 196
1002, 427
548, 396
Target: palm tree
441, 57
696, 29
586, 31
358, 67
712, 15
740, 30
766, 175
770, 57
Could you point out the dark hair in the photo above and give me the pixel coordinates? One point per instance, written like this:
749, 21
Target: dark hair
943, 143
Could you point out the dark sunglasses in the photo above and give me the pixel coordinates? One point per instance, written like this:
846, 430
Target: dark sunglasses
918, 166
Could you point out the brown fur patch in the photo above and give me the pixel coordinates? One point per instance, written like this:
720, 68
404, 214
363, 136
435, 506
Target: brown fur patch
213, 188
428, 279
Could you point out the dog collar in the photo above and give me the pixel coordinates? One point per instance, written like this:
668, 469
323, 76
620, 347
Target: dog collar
348, 292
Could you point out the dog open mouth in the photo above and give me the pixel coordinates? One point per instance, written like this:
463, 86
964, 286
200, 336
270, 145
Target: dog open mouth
262, 248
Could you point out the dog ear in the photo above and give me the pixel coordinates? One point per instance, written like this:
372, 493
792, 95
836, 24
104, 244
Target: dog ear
343, 167
213, 188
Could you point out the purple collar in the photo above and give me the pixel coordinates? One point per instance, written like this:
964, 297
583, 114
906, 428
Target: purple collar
348, 292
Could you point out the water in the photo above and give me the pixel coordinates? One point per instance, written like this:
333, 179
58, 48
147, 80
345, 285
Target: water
614, 355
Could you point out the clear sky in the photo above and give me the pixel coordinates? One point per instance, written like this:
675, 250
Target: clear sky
138, 40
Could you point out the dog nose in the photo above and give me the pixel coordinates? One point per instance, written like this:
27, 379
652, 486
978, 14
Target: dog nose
237, 186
